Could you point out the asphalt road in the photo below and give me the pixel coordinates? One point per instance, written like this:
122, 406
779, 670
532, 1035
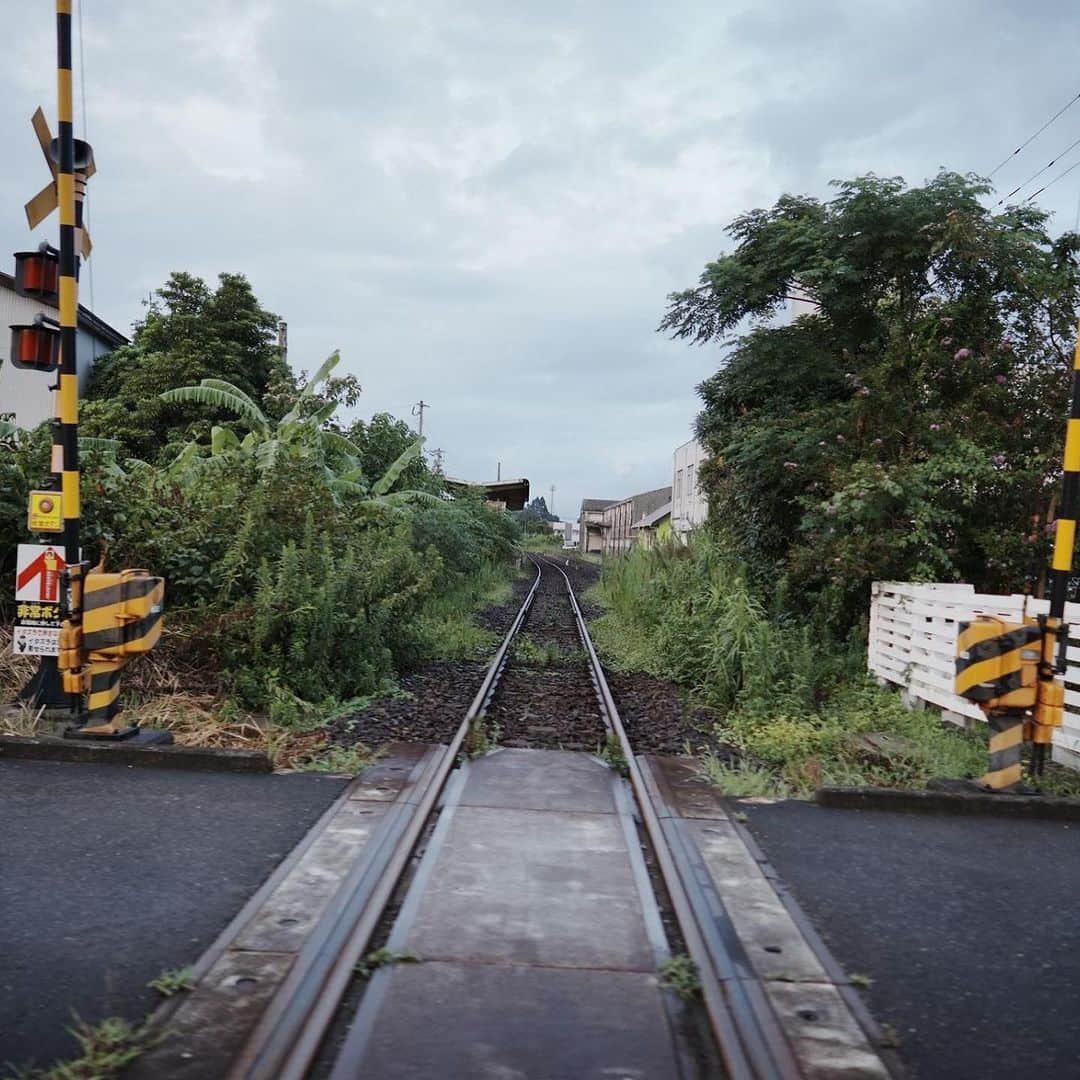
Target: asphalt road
111, 874
967, 926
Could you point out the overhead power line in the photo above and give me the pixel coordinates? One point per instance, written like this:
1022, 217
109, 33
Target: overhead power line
1068, 105
1036, 175
1051, 183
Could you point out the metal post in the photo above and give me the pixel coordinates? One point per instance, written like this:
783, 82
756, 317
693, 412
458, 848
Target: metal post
1051, 697
67, 396
418, 410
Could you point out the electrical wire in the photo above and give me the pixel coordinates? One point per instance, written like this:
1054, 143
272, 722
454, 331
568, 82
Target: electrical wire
1051, 183
1036, 175
1068, 105
86, 194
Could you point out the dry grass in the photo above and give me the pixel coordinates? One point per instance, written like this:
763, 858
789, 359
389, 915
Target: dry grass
175, 689
15, 671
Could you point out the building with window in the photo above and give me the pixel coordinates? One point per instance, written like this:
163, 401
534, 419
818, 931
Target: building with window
26, 394
689, 507
591, 523
621, 517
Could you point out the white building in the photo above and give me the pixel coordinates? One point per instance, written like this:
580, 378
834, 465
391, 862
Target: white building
569, 532
689, 507
26, 393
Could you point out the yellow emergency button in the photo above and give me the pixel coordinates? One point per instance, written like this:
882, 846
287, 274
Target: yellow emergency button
46, 515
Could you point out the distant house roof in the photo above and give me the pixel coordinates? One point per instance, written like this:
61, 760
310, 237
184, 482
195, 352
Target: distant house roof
514, 493
654, 518
87, 319
597, 504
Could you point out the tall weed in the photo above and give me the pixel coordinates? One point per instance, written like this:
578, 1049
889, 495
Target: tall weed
793, 698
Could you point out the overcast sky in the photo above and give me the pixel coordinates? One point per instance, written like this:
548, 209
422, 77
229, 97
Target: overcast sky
485, 204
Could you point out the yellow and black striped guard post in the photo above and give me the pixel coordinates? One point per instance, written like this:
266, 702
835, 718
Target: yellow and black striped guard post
997, 667
121, 619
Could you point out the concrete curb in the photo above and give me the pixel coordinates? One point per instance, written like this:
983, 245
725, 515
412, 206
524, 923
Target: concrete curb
43, 748
1035, 807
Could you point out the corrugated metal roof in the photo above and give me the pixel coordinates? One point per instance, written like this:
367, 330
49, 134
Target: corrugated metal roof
597, 504
651, 519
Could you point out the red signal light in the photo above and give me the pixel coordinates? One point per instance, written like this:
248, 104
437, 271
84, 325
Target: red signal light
35, 347
37, 273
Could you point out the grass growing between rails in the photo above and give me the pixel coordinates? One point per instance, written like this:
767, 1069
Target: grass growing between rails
796, 704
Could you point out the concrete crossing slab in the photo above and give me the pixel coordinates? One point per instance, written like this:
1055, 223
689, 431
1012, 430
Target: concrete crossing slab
517, 1023
540, 780
528, 887
536, 937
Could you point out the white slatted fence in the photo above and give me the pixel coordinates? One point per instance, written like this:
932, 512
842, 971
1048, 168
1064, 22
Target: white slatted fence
913, 645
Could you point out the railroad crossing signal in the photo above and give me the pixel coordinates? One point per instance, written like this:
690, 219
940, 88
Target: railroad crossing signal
48, 198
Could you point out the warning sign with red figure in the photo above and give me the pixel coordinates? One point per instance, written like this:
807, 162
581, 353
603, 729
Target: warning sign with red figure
37, 600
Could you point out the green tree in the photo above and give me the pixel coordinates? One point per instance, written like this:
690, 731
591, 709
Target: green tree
910, 427
190, 332
382, 440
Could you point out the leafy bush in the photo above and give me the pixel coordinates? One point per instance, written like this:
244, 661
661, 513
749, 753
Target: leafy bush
910, 427
789, 695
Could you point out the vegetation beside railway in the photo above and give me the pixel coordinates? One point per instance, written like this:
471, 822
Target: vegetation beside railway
793, 704
908, 427
309, 559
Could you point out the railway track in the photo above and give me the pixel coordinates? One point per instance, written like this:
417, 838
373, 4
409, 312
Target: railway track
278, 996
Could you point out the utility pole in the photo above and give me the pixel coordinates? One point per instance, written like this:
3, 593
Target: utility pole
418, 410
551, 507
498, 471
283, 340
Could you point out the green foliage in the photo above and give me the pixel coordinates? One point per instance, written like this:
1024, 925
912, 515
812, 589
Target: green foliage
173, 981
105, 1050
190, 333
793, 698
536, 518
339, 760
680, 973
611, 753
911, 427
381, 441
743, 779
482, 737
24, 460
300, 571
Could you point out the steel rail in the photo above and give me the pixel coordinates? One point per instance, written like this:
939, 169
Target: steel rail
746, 1030
287, 1038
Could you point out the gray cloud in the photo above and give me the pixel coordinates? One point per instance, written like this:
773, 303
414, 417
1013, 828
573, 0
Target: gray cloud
485, 204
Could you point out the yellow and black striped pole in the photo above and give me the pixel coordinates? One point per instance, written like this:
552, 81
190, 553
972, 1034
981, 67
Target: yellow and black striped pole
1049, 711
66, 444
65, 463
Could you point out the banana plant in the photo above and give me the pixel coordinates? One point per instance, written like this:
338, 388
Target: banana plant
301, 432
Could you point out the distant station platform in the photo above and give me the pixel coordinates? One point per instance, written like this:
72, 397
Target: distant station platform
508, 494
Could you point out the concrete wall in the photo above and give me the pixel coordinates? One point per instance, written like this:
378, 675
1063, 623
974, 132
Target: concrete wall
689, 507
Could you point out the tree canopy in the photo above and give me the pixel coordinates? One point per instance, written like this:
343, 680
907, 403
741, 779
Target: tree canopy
911, 425
190, 332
